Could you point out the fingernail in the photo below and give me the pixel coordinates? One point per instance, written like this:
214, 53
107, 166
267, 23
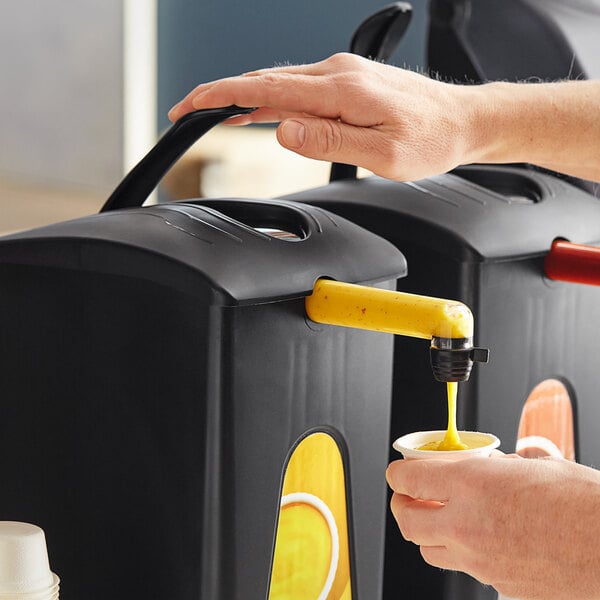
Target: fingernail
293, 133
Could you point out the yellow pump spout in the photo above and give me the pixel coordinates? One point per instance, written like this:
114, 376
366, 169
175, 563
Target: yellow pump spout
349, 305
447, 323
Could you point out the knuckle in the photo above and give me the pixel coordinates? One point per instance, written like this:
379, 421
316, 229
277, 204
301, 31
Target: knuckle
361, 80
269, 80
330, 138
404, 524
355, 85
344, 60
273, 84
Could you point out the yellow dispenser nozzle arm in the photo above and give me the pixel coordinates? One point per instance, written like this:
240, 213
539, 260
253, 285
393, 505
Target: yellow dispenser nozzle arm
350, 305
448, 323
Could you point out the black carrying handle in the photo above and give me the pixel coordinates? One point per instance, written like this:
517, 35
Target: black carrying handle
145, 176
376, 38
379, 35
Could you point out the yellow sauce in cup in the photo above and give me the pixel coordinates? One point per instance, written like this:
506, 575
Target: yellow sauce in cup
451, 440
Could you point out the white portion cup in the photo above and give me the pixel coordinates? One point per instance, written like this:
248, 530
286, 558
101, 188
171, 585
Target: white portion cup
480, 444
24, 569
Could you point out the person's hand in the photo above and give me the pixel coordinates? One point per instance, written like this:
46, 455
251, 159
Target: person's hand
405, 126
528, 527
396, 123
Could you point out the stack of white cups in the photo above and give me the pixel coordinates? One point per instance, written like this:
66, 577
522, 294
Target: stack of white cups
24, 569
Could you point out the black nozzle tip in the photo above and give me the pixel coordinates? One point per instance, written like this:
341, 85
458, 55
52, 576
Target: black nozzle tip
452, 360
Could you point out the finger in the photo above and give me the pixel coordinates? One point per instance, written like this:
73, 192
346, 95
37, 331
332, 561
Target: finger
248, 89
285, 91
499, 454
429, 479
318, 96
262, 115
419, 521
439, 556
334, 141
450, 559
186, 104
341, 61
317, 68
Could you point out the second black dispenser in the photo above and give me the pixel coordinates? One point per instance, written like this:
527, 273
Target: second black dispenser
480, 235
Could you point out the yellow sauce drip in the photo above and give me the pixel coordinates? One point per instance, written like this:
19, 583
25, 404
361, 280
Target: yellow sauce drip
451, 440
349, 305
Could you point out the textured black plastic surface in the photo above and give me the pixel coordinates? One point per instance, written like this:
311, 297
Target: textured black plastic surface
455, 365
144, 177
498, 40
158, 368
147, 432
485, 247
473, 214
379, 34
213, 248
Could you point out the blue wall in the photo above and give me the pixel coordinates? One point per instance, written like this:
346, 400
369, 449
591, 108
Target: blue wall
200, 40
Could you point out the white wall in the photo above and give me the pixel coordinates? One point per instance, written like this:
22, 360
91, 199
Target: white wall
62, 102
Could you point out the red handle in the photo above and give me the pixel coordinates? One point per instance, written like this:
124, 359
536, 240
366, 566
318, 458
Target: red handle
576, 263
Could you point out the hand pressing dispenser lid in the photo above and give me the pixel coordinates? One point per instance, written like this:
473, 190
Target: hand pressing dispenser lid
447, 323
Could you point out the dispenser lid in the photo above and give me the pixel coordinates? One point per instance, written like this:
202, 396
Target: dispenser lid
239, 251
476, 213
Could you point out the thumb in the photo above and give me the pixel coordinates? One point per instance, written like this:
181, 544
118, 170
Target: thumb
326, 139
429, 479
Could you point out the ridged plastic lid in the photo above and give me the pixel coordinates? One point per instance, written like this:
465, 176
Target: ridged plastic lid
477, 213
241, 251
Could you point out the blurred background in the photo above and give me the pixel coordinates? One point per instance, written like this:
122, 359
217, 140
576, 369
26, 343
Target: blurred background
87, 86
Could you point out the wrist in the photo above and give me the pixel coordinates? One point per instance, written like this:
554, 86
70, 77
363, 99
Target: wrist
499, 122
552, 125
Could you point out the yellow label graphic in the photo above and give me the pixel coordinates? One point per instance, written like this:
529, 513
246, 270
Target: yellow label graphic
311, 559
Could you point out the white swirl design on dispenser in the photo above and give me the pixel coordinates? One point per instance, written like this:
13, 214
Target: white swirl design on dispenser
319, 505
